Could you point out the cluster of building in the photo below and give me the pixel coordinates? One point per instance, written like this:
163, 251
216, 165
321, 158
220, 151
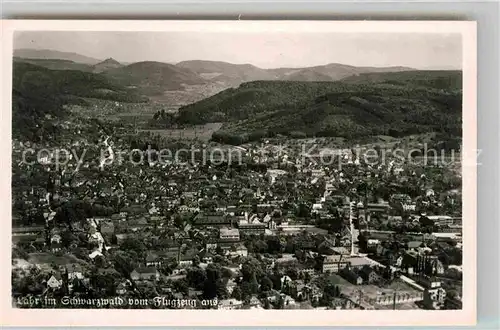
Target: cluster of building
176, 217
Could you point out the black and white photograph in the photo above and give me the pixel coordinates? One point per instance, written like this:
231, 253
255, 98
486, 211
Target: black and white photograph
239, 170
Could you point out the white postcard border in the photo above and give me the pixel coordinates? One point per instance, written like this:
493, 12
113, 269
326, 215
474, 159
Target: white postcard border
85, 317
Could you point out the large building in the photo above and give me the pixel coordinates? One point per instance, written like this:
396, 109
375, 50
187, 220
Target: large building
334, 263
442, 220
145, 273
252, 227
231, 234
380, 208
215, 219
421, 263
434, 295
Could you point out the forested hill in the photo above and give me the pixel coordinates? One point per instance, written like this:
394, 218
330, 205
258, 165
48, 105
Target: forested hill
153, 78
39, 94
69, 83
447, 80
398, 105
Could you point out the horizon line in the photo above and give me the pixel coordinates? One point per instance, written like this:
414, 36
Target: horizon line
430, 68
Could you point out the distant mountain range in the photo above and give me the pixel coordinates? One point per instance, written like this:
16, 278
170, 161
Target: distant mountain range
327, 100
238, 73
440, 79
69, 84
227, 72
55, 64
106, 65
47, 54
61, 64
154, 78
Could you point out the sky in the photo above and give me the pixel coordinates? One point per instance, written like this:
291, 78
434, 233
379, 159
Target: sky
265, 50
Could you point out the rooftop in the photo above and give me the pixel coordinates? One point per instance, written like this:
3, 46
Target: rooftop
146, 270
229, 231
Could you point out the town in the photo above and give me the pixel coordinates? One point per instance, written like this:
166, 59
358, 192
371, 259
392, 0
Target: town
270, 232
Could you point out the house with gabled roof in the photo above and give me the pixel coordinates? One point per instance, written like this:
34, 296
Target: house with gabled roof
122, 288
186, 258
369, 275
74, 271
153, 259
145, 273
55, 281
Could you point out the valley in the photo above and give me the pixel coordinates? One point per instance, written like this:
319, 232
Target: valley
246, 103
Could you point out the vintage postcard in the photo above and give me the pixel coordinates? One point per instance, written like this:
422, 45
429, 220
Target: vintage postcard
238, 173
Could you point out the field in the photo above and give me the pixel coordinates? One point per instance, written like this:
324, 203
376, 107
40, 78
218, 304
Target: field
107, 108
48, 258
202, 132
190, 94
338, 280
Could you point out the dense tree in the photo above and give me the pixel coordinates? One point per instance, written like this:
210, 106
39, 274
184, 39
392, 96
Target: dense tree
303, 210
123, 263
398, 107
266, 284
132, 243
237, 293
425, 221
39, 96
181, 286
196, 278
250, 268
362, 242
246, 290
213, 286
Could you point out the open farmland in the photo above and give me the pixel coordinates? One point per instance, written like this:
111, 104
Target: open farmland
202, 132
49, 258
187, 95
